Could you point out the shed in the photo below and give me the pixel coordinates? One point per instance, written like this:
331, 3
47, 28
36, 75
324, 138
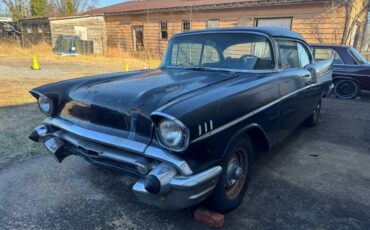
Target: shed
35, 30
86, 27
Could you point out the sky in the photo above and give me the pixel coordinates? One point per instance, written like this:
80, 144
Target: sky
103, 3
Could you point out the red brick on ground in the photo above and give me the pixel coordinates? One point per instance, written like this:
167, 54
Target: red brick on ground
212, 219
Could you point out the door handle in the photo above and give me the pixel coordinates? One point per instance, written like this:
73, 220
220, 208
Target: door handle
306, 75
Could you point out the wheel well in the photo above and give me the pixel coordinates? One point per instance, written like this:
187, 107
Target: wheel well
345, 78
258, 139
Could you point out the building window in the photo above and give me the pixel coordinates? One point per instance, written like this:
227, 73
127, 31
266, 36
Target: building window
186, 25
164, 33
285, 23
213, 23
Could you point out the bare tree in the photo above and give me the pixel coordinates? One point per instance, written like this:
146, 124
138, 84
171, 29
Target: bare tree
79, 5
352, 19
16, 8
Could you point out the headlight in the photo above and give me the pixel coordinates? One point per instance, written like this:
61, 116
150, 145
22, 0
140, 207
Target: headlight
46, 105
170, 133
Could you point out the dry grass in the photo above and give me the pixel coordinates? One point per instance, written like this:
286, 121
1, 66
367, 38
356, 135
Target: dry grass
112, 56
16, 77
15, 91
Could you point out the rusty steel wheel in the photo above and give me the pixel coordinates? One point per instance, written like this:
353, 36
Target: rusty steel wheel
233, 182
236, 173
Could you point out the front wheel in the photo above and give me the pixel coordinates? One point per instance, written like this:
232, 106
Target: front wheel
233, 182
346, 89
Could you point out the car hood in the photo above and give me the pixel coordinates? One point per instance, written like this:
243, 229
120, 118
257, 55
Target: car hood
126, 102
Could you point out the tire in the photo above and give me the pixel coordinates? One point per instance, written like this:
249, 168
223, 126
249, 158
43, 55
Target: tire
313, 119
229, 193
346, 89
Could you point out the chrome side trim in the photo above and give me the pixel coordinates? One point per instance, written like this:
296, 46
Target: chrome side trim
103, 138
351, 74
240, 119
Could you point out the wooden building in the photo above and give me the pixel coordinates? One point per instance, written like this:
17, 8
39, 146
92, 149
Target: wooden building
148, 24
86, 27
35, 30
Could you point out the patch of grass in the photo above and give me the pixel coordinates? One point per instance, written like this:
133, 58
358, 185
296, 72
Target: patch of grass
16, 124
16, 77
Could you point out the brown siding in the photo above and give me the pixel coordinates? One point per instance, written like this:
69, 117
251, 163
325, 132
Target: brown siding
316, 22
95, 27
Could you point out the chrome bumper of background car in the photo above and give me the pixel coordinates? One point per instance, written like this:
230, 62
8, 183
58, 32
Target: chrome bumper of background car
331, 87
160, 182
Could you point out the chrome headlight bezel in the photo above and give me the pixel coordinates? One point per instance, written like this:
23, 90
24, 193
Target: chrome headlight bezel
46, 105
165, 120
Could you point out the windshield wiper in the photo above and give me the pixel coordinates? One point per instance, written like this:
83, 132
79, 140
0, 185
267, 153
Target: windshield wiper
201, 68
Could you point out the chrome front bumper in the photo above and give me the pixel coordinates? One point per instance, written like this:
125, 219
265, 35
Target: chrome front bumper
164, 180
183, 191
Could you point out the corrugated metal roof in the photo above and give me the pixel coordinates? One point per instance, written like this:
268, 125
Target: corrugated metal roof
145, 5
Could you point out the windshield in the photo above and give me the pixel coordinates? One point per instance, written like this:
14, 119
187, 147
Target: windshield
240, 51
356, 55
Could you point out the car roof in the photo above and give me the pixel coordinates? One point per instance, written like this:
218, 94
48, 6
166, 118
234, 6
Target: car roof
272, 32
329, 45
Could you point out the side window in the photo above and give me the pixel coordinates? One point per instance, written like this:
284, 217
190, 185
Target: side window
292, 55
251, 55
304, 57
321, 54
288, 55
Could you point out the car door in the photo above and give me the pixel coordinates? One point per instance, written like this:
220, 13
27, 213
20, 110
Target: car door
294, 84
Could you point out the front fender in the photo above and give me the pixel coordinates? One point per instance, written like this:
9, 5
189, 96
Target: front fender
256, 134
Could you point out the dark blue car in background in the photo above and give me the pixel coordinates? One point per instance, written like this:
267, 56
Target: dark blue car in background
351, 71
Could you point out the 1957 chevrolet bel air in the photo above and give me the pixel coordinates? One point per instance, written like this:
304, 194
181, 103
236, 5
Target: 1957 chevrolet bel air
189, 130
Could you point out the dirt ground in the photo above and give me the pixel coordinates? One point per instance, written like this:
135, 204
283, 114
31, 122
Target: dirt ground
318, 178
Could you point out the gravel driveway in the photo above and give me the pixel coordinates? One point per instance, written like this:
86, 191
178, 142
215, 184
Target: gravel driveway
318, 178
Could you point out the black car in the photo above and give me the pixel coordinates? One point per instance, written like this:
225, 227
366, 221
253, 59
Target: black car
189, 130
351, 71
